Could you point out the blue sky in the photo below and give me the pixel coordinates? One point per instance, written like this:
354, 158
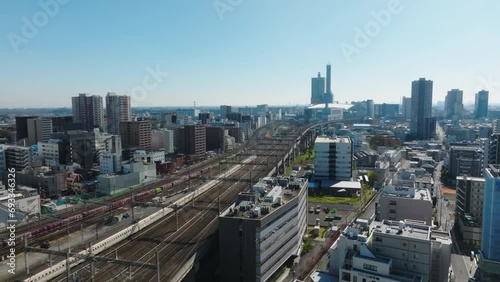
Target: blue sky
252, 52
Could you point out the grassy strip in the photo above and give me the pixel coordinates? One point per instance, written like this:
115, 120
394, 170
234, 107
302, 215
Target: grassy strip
303, 159
334, 200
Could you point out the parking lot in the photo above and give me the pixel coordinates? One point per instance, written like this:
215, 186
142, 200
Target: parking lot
337, 215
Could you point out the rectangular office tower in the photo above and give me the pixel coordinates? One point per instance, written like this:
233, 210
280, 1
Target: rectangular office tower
88, 110
136, 134
117, 110
481, 105
453, 104
262, 230
490, 246
421, 109
333, 158
317, 89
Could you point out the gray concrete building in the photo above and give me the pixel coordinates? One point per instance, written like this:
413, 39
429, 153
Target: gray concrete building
262, 230
466, 161
399, 203
469, 208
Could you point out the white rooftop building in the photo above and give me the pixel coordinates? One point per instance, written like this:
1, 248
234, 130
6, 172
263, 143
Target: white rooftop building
391, 251
333, 158
399, 203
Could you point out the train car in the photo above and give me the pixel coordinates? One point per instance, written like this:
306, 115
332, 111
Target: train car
143, 195
158, 190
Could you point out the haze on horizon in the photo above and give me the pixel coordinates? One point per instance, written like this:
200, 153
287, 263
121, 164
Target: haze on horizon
171, 53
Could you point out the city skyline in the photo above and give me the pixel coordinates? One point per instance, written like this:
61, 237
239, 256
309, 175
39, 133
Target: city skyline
185, 52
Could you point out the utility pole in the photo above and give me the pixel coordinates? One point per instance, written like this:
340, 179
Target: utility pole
27, 266
176, 218
133, 205
189, 179
158, 266
68, 269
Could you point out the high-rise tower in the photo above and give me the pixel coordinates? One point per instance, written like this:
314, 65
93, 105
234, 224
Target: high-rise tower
481, 105
328, 97
117, 110
88, 110
453, 104
421, 109
317, 89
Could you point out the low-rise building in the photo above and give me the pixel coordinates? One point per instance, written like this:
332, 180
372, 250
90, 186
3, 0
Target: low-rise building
391, 251
399, 203
134, 173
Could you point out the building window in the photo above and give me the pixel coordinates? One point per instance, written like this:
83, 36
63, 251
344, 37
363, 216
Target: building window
370, 267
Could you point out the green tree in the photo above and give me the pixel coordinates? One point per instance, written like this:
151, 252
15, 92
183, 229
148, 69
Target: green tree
373, 177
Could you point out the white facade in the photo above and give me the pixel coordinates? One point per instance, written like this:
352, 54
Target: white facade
134, 174
399, 203
39, 130
48, 152
391, 251
156, 156
162, 140
109, 163
333, 158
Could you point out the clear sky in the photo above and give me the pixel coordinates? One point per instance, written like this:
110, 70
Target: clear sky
244, 51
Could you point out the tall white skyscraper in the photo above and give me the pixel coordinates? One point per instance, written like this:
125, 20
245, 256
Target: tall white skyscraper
117, 110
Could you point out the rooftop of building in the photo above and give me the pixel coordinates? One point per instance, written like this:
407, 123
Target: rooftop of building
494, 170
331, 105
334, 139
336, 184
470, 178
410, 193
465, 148
407, 228
265, 197
322, 276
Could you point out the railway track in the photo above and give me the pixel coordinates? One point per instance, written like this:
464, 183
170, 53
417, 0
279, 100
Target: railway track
198, 224
176, 247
